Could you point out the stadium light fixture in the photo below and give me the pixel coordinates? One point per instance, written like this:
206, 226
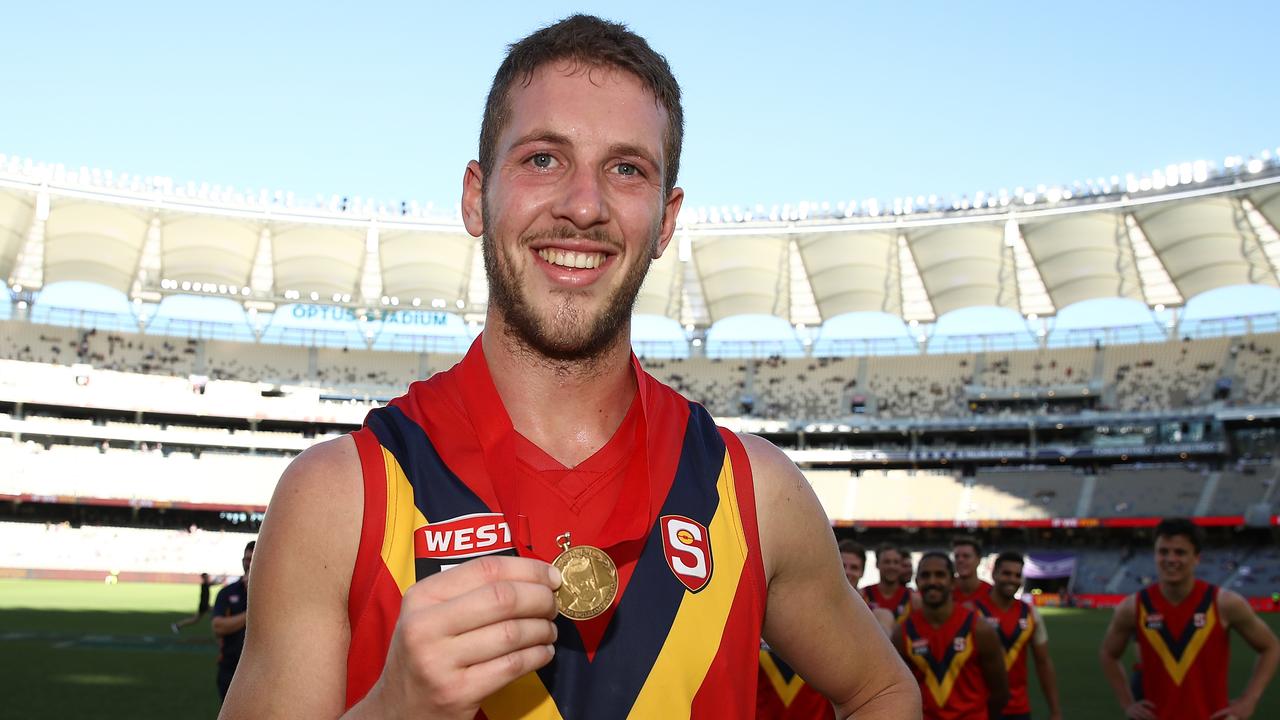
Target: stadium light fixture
461, 303
1159, 307
417, 302
314, 296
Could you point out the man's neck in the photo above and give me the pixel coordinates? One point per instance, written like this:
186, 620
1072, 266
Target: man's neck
889, 588
938, 616
1177, 592
569, 409
1000, 601
970, 584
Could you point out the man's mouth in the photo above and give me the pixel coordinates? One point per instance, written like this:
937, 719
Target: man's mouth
571, 259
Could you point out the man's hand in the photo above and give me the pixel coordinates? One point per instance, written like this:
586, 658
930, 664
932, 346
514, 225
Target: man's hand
1239, 709
462, 635
1141, 710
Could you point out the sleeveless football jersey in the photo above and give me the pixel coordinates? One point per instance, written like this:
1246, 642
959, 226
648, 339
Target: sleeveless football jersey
898, 603
682, 637
945, 663
1185, 652
784, 695
1016, 627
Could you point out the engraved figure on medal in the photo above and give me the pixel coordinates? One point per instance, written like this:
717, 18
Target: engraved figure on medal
589, 580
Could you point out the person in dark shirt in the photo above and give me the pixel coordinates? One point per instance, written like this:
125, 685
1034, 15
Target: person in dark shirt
229, 612
205, 583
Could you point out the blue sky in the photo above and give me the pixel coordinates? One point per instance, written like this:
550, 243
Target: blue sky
784, 101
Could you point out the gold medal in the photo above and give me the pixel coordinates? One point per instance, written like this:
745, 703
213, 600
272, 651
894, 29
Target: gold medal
589, 580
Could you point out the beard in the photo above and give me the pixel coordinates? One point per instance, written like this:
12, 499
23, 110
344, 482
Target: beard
571, 333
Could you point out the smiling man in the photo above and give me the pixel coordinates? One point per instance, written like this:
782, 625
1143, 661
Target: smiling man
954, 654
1021, 632
544, 530
1181, 625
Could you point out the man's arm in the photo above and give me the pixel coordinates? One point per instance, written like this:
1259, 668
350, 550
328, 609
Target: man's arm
991, 660
1044, 667
1111, 656
461, 635
224, 625
301, 574
1241, 618
887, 623
814, 620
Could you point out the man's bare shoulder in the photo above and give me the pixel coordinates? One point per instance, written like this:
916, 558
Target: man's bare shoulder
770, 467
319, 505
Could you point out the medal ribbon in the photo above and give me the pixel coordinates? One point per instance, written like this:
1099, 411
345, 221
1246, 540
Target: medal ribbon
619, 536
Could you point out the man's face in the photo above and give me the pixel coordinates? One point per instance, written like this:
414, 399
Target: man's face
1008, 579
573, 211
934, 581
1176, 558
247, 559
853, 567
889, 564
966, 559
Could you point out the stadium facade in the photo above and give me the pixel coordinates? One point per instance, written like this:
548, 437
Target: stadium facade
164, 417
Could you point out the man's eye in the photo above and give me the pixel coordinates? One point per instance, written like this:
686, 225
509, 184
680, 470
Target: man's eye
541, 160
627, 169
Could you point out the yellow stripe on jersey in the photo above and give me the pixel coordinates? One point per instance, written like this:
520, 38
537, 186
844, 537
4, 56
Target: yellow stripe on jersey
403, 518
686, 655
1011, 655
1177, 669
941, 691
787, 691
525, 698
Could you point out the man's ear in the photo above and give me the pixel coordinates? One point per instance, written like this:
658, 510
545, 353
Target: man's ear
473, 199
670, 211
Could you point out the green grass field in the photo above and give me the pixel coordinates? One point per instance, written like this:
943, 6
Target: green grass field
87, 650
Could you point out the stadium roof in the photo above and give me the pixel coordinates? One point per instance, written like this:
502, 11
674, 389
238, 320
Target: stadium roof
1158, 241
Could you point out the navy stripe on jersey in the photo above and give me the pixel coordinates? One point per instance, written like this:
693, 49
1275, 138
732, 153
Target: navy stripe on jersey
783, 668
607, 686
437, 492
1006, 640
1177, 645
939, 667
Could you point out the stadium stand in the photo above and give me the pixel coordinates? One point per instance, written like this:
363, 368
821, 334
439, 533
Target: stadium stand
1147, 492
55, 546
1165, 375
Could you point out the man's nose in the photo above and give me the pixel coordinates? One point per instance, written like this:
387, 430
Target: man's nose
583, 201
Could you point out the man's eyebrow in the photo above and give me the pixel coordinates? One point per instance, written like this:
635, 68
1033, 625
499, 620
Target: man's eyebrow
545, 136
635, 150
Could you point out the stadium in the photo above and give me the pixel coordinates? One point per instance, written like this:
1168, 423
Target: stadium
168, 347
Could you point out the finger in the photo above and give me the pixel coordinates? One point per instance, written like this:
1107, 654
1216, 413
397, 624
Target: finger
486, 678
493, 603
468, 576
492, 641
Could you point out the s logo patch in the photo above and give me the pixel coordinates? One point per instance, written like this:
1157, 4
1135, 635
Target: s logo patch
688, 550
959, 644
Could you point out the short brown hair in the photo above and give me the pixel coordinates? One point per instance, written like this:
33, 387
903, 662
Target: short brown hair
969, 540
592, 42
849, 546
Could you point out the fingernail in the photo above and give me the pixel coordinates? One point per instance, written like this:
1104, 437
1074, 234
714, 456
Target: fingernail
555, 576
551, 649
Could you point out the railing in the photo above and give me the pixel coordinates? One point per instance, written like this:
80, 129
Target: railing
1241, 325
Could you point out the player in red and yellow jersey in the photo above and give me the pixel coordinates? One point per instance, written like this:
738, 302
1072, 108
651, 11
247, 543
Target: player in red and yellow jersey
967, 553
891, 592
954, 654
1020, 629
405, 570
784, 695
1181, 624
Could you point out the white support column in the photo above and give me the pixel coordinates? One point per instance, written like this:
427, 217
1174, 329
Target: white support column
28, 271
371, 274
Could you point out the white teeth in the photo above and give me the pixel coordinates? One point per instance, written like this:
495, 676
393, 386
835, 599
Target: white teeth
572, 259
